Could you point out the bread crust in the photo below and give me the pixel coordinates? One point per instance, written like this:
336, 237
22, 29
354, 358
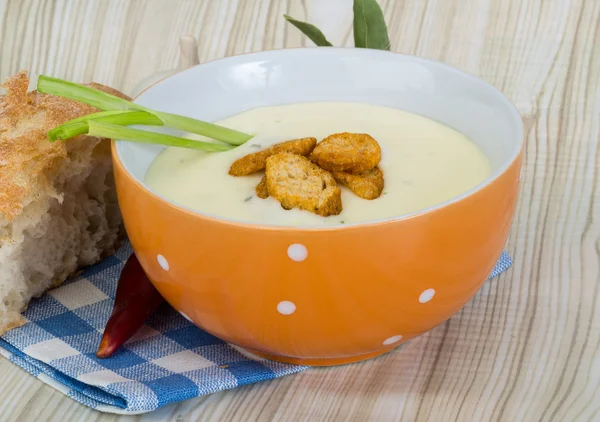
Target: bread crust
257, 161
15, 321
27, 158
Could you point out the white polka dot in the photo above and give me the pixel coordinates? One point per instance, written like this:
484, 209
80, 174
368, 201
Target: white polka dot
286, 307
426, 296
162, 261
392, 340
297, 252
186, 317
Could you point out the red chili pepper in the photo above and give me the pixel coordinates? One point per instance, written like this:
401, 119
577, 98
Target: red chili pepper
135, 301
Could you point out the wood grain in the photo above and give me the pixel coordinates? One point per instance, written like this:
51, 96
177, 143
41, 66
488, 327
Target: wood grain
526, 348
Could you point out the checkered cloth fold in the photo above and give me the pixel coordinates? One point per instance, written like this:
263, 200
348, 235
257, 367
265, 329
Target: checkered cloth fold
168, 360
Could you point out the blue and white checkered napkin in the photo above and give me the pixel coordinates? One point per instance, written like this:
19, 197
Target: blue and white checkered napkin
168, 360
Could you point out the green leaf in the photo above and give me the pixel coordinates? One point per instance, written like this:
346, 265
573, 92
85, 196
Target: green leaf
121, 117
310, 31
370, 30
108, 102
107, 130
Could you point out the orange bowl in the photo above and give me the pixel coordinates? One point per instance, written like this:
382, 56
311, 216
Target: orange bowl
337, 294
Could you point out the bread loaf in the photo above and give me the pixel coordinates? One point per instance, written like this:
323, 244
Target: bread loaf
58, 206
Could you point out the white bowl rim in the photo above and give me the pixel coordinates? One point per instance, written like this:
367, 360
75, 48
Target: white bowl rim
516, 151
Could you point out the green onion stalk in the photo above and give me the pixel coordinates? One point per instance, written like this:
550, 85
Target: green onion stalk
117, 113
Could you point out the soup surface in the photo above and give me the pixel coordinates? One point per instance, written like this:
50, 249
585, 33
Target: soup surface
424, 163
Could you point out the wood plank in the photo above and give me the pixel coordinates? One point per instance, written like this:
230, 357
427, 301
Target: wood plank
527, 346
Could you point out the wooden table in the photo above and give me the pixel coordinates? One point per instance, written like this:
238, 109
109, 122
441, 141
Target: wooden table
526, 348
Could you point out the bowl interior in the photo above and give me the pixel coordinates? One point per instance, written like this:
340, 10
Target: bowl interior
225, 87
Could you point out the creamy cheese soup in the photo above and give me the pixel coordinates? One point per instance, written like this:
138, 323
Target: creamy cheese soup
424, 163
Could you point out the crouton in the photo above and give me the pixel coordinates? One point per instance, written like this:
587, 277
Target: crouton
367, 185
261, 189
255, 162
348, 152
297, 183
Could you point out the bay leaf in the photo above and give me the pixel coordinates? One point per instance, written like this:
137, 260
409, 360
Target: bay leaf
310, 31
370, 29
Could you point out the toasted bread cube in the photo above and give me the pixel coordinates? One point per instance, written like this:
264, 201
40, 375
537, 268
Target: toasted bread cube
256, 162
297, 183
261, 189
352, 153
367, 185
